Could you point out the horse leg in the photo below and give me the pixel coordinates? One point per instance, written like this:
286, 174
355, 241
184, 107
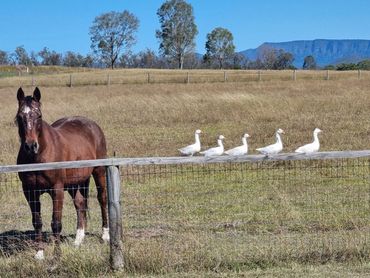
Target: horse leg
33, 199
79, 196
101, 186
57, 195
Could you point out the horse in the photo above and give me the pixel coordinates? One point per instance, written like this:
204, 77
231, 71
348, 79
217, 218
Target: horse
67, 139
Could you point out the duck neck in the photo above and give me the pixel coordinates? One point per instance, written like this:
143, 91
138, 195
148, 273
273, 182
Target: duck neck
244, 140
278, 139
197, 140
315, 137
219, 142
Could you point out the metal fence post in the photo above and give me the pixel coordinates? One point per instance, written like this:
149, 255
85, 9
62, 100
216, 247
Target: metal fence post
115, 222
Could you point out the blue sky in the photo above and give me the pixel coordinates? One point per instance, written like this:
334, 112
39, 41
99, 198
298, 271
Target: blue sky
64, 25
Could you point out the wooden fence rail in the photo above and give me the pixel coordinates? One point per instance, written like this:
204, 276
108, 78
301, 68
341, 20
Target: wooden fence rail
113, 179
182, 160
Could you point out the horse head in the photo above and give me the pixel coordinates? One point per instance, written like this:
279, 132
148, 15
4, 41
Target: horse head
29, 120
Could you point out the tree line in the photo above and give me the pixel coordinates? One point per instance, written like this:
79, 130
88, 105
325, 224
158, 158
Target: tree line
113, 34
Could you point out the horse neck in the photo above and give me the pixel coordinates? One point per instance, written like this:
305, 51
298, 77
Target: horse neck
45, 135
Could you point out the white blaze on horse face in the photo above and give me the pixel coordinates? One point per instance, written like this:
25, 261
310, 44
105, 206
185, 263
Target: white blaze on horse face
26, 110
29, 125
80, 234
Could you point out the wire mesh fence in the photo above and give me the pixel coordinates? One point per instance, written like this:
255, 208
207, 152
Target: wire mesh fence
16, 228
251, 212
230, 212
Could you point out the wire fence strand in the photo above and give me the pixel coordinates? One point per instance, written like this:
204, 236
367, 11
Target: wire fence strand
304, 210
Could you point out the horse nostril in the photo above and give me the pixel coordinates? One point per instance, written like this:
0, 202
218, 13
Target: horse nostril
27, 147
35, 147
31, 147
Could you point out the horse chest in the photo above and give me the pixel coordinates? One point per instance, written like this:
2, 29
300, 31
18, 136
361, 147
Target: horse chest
37, 179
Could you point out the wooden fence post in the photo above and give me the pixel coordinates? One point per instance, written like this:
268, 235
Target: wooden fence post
70, 81
359, 74
327, 75
115, 222
259, 76
187, 78
148, 77
225, 76
108, 80
33, 81
294, 75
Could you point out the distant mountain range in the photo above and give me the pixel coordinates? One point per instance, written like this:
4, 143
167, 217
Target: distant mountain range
325, 52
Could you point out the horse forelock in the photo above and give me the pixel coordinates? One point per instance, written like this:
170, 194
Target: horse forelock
28, 106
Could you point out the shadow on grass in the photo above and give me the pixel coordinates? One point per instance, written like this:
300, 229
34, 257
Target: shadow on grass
13, 242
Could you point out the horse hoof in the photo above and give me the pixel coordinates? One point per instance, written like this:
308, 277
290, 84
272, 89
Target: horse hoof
40, 255
80, 234
105, 235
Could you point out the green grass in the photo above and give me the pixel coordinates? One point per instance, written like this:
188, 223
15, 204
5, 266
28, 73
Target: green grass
232, 219
290, 219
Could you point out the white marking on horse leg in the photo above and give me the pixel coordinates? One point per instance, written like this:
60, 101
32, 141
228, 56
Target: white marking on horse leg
80, 234
105, 235
40, 255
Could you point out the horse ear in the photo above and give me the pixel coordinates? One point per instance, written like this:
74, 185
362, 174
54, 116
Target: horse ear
37, 94
20, 94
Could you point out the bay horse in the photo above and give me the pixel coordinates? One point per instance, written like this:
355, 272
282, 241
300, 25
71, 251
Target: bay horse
70, 138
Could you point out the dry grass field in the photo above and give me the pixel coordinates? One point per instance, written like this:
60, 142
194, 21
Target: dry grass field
157, 119
309, 215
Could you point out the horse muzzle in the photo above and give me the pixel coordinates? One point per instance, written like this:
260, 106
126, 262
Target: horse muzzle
31, 147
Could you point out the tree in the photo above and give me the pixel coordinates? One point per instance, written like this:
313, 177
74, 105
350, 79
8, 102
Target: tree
271, 58
219, 46
148, 59
34, 58
178, 30
239, 61
267, 57
50, 58
349, 66
111, 33
284, 60
364, 65
21, 56
72, 59
309, 63
143, 59
4, 59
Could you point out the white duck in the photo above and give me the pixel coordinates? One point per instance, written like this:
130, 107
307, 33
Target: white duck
274, 148
240, 150
219, 150
311, 147
193, 148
